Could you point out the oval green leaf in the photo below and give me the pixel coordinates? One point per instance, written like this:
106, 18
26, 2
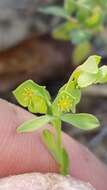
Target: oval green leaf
82, 120
69, 6
86, 79
102, 75
34, 124
55, 11
62, 32
91, 64
81, 52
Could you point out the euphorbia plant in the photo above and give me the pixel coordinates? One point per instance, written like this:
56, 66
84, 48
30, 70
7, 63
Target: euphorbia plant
81, 22
63, 109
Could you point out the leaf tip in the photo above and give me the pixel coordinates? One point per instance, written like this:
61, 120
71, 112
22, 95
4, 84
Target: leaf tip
18, 130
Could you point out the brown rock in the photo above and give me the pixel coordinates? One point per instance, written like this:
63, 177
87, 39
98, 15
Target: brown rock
36, 58
37, 181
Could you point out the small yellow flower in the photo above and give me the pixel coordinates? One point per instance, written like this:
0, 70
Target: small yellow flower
64, 103
28, 94
35, 103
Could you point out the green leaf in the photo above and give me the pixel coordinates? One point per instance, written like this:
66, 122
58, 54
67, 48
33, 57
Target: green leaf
102, 75
62, 32
95, 19
82, 13
91, 64
79, 36
81, 52
76, 93
87, 73
86, 4
103, 3
65, 162
54, 10
69, 6
69, 86
37, 105
31, 95
82, 120
49, 140
86, 79
34, 124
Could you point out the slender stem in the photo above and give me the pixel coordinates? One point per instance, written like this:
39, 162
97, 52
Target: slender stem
57, 125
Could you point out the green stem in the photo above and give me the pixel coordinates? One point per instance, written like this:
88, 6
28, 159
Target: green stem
57, 125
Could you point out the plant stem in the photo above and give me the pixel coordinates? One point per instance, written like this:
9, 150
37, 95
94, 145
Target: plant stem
57, 125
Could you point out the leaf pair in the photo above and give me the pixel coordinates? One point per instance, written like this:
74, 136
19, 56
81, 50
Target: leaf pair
82, 120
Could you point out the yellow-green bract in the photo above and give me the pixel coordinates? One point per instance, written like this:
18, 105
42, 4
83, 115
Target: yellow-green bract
33, 96
63, 108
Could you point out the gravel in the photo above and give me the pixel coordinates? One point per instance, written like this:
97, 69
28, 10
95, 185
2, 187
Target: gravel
38, 181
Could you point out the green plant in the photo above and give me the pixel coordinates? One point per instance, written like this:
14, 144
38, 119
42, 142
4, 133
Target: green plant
82, 20
63, 108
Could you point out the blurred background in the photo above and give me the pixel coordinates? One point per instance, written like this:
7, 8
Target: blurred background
48, 47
